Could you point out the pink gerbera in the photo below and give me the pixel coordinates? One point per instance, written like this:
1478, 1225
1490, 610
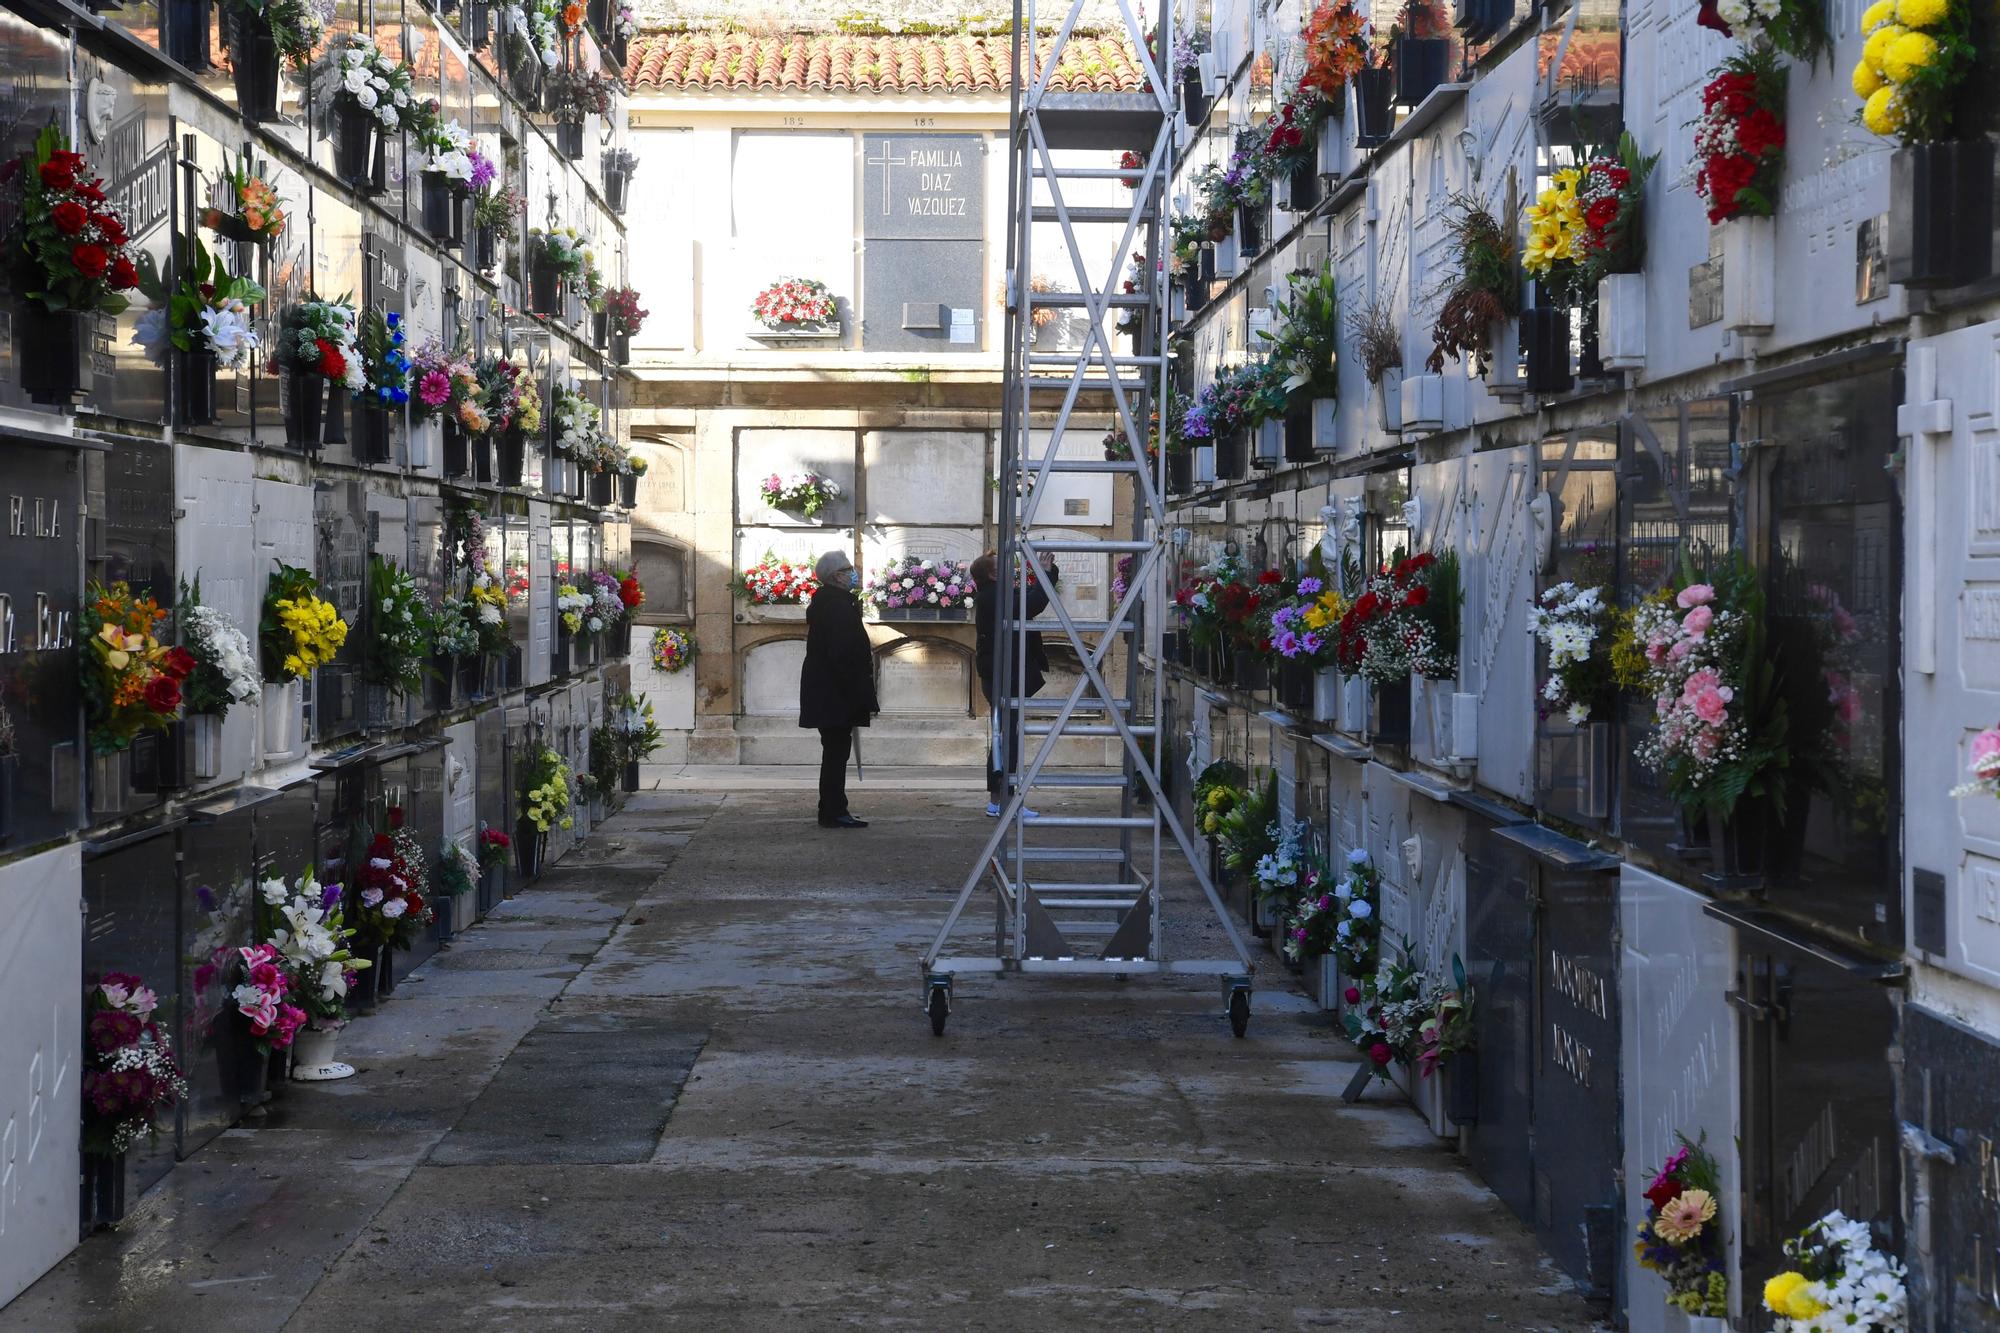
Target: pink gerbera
434, 388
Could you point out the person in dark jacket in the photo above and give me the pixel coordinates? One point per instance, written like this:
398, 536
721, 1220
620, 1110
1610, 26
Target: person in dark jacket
987, 590
836, 682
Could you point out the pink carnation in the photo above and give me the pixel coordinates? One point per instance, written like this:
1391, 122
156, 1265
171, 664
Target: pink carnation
1697, 621
1695, 594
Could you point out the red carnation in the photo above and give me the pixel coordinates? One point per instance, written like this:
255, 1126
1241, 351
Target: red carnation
1270, 576
1760, 133
331, 363
69, 217
163, 694
90, 260
1417, 596
415, 902
123, 275
178, 662
110, 228
90, 191
1601, 214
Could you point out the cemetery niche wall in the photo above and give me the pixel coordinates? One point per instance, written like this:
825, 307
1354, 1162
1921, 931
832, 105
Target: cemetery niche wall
137, 474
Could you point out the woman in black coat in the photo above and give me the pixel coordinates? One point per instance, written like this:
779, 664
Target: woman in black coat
836, 682
985, 615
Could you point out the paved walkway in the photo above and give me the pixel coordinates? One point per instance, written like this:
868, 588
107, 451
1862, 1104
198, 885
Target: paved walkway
686, 1082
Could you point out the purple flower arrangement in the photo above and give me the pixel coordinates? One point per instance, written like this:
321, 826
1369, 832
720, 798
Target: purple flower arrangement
908, 583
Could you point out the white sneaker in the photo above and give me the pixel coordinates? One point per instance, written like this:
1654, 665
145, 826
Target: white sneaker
993, 812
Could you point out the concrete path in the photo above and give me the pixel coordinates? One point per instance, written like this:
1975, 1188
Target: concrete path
685, 1082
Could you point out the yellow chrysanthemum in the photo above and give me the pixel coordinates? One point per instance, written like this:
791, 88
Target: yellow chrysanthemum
1883, 113
1878, 13
1907, 54
1786, 1294
1866, 80
1921, 13
1877, 45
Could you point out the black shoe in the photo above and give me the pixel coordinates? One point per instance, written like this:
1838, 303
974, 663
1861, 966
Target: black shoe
844, 821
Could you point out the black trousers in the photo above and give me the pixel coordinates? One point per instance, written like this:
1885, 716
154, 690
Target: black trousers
836, 744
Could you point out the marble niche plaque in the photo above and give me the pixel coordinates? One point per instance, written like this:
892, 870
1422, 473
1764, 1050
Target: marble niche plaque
40, 593
925, 476
761, 454
771, 677
924, 678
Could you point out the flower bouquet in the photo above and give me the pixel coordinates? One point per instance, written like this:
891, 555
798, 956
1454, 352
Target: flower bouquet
1249, 831
455, 627
225, 665
639, 731
1796, 27
1838, 1280
629, 591
256, 213
299, 631
1217, 791
393, 876
451, 873
1917, 55
1740, 138
1339, 921
1719, 731
1404, 621
1983, 765
1385, 1017
385, 365
206, 317
673, 650
129, 1074
447, 387
1449, 1030
804, 492
1305, 627
494, 848
1681, 1238
571, 605
294, 28
545, 790
573, 420
1484, 291
66, 251
775, 582
367, 81
398, 629
607, 608
319, 339
488, 602
1571, 624
307, 929
263, 997
796, 305
907, 584
1336, 49
530, 34
131, 681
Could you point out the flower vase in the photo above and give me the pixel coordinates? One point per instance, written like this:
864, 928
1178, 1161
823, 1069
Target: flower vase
511, 456
250, 1071
1703, 1323
1295, 684
1749, 274
1331, 147
49, 346
1305, 186
280, 709
1621, 321
631, 779
1201, 466
1323, 973
1390, 722
600, 329
544, 288
204, 733
305, 397
481, 449
334, 428
385, 972
1545, 340
313, 1051
457, 455
569, 139
371, 432
1231, 460
600, 489
185, 39
528, 848
621, 348
598, 15
1374, 115
617, 186
1736, 839
485, 247
478, 24
103, 1197
437, 207
1422, 63
596, 810
1194, 98
628, 490
1461, 1087
253, 60
197, 387
1941, 213
357, 139
1180, 471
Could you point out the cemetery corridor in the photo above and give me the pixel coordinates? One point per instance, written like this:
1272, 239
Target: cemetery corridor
684, 1081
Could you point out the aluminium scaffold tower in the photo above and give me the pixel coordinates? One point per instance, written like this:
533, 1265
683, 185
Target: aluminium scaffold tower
1081, 893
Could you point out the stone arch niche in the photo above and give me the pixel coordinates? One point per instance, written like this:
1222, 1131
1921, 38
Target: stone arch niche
924, 677
664, 487
663, 568
771, 677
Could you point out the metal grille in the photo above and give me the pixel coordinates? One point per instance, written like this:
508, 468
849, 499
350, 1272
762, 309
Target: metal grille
1081, 893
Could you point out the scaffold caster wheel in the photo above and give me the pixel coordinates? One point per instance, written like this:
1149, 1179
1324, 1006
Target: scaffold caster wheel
1239, 1009
939, 1005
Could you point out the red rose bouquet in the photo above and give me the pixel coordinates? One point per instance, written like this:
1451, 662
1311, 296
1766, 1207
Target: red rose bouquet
129, 1074
775, 582
1405, 620
629, 591
1740, 138
795, 302
68, 242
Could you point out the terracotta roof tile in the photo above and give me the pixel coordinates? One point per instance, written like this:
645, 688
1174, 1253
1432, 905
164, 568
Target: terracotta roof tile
693, 62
